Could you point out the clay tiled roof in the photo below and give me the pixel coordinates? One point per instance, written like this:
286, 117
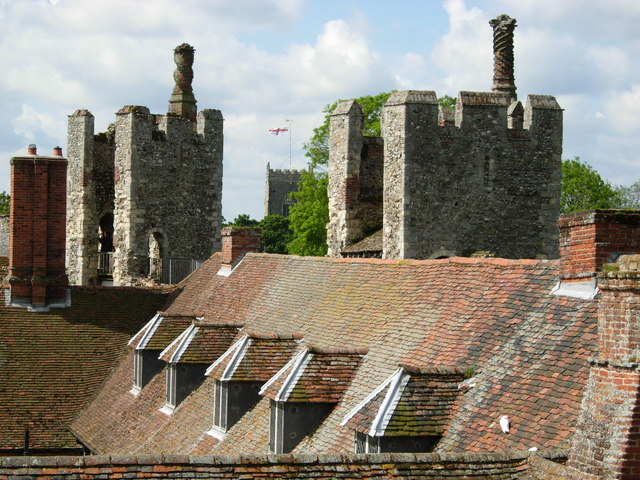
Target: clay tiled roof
372, 243
200, 343
526, 349
314, 376
52, 363
409, 403
254, 357
160, 331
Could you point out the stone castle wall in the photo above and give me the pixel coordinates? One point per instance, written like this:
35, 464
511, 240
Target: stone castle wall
477, 185
168, 183
158, 175
486, 180
278, 185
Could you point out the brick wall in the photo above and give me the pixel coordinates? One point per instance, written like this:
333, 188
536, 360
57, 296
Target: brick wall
237, 241
590, 239
427, 465
37, 228
606, 443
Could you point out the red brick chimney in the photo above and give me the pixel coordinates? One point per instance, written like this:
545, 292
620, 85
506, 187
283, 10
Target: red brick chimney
606, 443
592, 238
236, 242
37, 226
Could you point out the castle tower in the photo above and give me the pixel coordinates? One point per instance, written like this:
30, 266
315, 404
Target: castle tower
37, 230
145, 196
278, 185
345, 146
485, 178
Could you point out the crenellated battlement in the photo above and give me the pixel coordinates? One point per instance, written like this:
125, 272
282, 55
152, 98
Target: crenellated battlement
119, 182
484, 176
279, 183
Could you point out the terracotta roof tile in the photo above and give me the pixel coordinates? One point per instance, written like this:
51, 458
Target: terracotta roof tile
160, 331
314, 376
200, 343
53, 363
254, 358
527, 350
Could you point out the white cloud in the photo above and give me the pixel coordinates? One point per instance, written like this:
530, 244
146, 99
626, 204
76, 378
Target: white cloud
31, 125
464, 53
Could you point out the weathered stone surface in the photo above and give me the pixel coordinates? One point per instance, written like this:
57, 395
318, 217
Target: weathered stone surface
4, 235
278, 185
150, 186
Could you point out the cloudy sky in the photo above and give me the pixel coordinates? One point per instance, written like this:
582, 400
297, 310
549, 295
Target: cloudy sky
262, 62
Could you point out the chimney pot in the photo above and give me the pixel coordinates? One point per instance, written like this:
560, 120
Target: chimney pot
32, 150
57, 151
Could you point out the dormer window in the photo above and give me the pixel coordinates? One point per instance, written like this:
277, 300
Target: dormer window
154, 337
240, 373
367, 444
188, 357
171, 402
220, 403
304, 391
409, 412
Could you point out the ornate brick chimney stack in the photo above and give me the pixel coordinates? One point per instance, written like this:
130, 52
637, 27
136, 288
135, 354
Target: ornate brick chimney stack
236, 242
37, 276
503, 79
182, 102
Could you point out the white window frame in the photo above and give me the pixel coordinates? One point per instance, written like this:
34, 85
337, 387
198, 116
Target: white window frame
275, 421
170, 400
137, 372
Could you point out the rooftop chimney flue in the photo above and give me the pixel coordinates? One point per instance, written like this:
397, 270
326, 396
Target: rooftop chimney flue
503, 78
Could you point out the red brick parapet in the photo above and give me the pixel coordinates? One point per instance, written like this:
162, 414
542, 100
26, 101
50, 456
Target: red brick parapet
590, 239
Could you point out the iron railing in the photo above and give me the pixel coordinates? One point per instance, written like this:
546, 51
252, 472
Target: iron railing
173, 270
163, 270
105, 263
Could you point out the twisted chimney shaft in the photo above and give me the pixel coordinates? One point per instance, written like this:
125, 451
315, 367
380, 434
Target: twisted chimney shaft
503, 79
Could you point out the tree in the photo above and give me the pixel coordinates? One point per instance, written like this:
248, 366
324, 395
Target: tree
5, 202
584, 189
276, 234
309, 216
244, 220
447, 101
630, 196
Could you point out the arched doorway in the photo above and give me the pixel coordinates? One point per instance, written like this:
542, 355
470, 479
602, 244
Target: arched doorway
157, 252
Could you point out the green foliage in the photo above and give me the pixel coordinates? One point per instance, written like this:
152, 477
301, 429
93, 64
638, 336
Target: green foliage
447, 101
4, 203
244, 220
309, 216
584, 189
630, 196
276, 234
317, 149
